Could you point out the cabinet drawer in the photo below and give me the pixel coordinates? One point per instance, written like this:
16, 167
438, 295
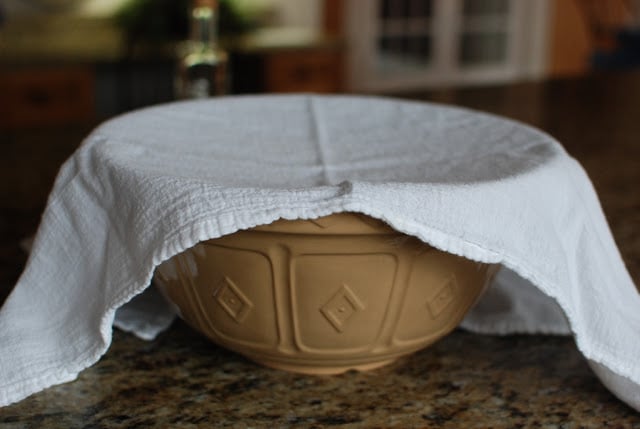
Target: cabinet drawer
46, 97
303, 71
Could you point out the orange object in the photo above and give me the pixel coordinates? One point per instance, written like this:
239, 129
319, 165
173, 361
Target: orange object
322, 296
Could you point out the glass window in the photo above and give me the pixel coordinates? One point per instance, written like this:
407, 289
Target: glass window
483, 48
405, 38
485, 7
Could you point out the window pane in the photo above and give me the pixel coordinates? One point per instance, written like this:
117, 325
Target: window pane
420, 8
410, 47
485, 7
420, 48
392, 45
404, 43
392, 9
482, 48
404, 54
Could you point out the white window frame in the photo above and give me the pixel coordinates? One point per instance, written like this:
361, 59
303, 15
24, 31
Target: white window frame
527, 29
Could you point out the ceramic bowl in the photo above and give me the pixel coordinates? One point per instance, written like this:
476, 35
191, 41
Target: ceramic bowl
322, 296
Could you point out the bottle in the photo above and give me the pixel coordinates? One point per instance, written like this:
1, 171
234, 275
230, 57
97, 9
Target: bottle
202, 68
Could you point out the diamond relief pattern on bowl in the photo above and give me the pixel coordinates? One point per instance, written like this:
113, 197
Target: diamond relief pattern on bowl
342, 306
332, 295
232, 300
446, 295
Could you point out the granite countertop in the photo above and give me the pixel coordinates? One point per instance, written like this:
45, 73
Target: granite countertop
182, 380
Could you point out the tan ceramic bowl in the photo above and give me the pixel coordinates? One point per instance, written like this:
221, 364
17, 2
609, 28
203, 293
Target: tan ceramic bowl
322, 296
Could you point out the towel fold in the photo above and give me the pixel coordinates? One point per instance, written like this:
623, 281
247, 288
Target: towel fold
150, 184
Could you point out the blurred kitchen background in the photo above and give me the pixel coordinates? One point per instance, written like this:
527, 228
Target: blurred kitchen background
73, 60
67, 65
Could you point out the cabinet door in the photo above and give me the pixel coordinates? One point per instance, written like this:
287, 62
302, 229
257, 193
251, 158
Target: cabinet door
53, 96
312, 70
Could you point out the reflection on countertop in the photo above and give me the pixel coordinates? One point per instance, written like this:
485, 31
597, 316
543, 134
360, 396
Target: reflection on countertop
465, 380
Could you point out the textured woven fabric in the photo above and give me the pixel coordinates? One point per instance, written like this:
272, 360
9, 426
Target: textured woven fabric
150, 184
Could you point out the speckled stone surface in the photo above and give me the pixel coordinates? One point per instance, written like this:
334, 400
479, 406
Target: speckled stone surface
181, 380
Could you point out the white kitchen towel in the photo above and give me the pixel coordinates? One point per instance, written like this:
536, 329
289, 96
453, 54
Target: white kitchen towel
150, 184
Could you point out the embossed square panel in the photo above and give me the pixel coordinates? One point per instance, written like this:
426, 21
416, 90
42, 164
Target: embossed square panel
242, 299
232, 300
444, 296
435, 296
337, 301
341, 307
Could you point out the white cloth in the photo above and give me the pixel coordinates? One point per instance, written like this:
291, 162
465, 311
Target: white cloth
150, 184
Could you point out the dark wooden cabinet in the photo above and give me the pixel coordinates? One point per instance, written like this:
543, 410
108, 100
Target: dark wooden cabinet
37, 96
303, 71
